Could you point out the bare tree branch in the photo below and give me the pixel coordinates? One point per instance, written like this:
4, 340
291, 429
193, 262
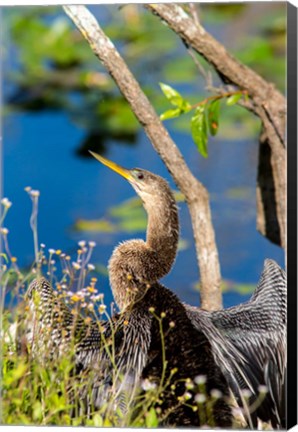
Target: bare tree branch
267, 103
195, 193
194, 12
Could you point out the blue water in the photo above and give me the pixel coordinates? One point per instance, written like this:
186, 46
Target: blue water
39, 151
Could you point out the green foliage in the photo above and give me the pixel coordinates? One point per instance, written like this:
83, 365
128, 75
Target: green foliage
233, 99
40, 390
213, 116
199, 130
175, 98
151, 418
47, 43
206, 116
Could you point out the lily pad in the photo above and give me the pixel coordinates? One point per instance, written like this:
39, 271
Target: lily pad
100, 225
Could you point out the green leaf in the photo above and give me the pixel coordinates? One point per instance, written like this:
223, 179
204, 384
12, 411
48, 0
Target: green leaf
37, 411
15, 374
232, 100
213, 116
151, 418
175, 97
97, 420
199, 130
172, 113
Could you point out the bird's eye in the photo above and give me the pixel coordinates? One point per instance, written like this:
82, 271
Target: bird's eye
140, 176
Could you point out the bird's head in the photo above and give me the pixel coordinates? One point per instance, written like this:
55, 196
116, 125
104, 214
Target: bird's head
151, 188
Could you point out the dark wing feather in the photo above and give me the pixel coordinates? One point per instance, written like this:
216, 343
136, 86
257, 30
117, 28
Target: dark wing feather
257, 332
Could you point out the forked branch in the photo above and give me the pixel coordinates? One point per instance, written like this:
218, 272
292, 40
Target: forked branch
195, 193
267, 103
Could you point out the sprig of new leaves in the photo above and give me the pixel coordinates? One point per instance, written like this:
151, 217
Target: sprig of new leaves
205, 120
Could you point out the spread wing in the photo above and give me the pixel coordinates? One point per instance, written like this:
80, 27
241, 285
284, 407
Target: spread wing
252, 337
108, 356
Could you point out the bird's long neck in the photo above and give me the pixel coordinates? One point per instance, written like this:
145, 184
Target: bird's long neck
163, 233
136, 265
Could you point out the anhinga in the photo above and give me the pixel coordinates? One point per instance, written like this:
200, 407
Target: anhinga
243, 346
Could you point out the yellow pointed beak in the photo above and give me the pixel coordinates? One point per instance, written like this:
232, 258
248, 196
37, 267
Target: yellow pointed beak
122, 171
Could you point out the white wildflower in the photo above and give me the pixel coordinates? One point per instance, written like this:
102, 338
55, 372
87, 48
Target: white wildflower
6, 203
246, 393
189, 385
200, 379
76, 265
102, 308
34, 193
148, 385
216, 394
92, 244
200, 398
263, 389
